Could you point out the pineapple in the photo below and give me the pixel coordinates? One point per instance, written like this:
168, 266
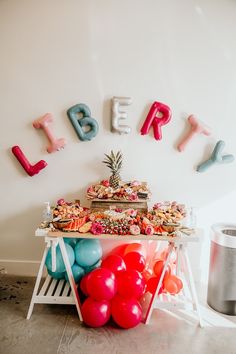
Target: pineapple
114, 162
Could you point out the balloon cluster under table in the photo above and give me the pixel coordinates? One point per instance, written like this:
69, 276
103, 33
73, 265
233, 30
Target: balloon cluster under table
116, 286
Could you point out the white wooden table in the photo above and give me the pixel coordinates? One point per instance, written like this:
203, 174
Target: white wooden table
60, 292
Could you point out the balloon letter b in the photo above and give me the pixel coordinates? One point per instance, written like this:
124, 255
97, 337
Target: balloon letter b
86, 120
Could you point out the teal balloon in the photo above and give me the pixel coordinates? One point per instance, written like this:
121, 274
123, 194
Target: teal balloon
88, 252
57, 275
92, 267
77, 271
60, 266
71, 241
85, 121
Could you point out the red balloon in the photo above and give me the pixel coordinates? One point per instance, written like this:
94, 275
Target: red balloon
134, 260
127, 313
131, 284
119, 250
115, 263
152, 285
158, 268
170, 286
96, 313
101, 284
83, 284
147, 274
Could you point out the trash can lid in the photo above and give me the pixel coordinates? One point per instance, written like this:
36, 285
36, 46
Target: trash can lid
224, 234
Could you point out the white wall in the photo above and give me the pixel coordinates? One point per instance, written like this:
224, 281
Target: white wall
57, 53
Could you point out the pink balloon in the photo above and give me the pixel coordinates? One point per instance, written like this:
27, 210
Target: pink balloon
96, 313
101, 284
127, 313
115, 263
135, 260
54, 143
156, 121
131, 284
30, 169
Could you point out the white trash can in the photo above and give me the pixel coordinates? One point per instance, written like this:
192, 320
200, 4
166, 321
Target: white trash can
221, 294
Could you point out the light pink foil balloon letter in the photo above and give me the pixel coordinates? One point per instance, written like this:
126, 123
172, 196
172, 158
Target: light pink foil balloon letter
43, 123
156, 121
196, 127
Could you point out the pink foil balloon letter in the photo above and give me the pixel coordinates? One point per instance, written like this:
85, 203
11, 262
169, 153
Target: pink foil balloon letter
43, 123
30, 169
157, 122
196, 127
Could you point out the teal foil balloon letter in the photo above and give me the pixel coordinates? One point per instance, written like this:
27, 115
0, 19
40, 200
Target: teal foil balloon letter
216, 157
86, 120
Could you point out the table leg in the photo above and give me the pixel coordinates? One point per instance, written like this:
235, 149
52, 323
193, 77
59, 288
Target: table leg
192, 285
152, 302
70, 277
39, 276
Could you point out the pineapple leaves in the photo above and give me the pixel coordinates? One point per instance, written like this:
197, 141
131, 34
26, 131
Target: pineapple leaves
114, 161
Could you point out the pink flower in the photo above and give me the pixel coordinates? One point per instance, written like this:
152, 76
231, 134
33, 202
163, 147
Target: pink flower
118, 210
157, 206
134, 230
96, 228
90, 189
135, 183
131, 212
133, 196
149, 230
61, 201
105, 183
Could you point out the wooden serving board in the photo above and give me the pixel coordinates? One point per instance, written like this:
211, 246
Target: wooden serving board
106, 204
183, 238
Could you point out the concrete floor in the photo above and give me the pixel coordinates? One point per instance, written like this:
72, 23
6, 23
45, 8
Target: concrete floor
57, 329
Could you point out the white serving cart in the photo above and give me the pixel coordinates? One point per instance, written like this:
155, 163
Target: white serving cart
53, 291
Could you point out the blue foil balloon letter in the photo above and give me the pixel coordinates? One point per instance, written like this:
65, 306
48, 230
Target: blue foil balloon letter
86, 121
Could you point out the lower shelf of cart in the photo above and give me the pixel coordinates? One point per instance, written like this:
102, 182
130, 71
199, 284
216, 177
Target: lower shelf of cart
54, 291
168, 302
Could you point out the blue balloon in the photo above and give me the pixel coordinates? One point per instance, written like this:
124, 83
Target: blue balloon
60, 266
88, 252
57, 275
71, 241
92, 267
77, 271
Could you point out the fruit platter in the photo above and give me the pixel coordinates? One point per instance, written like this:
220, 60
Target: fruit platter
163, 219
